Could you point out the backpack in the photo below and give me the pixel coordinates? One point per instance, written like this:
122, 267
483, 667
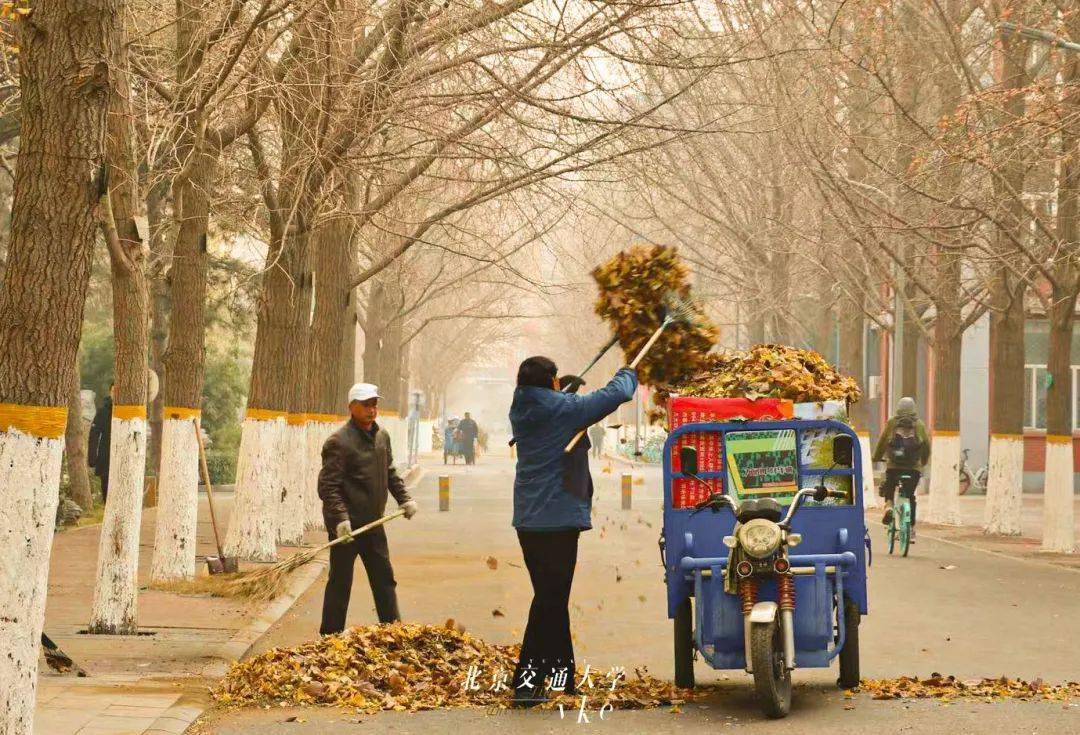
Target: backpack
904, 445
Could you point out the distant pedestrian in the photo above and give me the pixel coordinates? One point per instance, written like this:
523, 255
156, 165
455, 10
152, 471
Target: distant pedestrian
357, 474
469, 433
100, 442
596, 438
904, 446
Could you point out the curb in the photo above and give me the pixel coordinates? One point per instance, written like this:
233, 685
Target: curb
180, 716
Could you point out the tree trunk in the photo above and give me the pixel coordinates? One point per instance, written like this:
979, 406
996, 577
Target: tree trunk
185, 364
67, 58
909, 380
1006, 462
159, 315
75, 448
944, 499
116, 592
1058, 507
334, 316
1059, 532
277, 380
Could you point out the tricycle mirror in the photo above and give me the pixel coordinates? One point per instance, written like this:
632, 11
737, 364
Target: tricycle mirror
688, 460
842, 450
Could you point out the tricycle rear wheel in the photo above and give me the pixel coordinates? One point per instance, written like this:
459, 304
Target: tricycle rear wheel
684, 644
772, 680
849, 654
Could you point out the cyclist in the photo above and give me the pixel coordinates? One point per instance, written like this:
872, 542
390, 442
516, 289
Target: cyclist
904, 446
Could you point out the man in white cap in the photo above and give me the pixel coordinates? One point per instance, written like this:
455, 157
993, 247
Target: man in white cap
357, 474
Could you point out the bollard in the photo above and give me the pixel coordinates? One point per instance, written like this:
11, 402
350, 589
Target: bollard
444, 492
627, 488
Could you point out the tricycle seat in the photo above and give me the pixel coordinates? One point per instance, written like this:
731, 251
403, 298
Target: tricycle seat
766, 508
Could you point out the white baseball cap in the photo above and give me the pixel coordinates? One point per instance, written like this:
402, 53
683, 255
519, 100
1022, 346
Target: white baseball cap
363, 392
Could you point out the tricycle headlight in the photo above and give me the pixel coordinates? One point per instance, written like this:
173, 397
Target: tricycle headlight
759, 537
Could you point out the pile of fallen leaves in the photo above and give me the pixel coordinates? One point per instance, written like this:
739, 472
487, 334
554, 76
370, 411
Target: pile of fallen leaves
946, 688
771, 371
410, 667
633, 288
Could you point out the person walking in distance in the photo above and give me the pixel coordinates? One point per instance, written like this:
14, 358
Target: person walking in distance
596, 438
99, 443
357, 475
904, 446
550, 514
469, 433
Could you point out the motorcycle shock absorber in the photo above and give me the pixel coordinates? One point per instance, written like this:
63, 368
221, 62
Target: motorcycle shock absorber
748, 589
785, 589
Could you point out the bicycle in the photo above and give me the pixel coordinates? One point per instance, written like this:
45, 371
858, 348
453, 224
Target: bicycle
970, 480
899, 528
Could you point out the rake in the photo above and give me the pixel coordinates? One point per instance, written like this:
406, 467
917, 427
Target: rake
677, 310
265, 584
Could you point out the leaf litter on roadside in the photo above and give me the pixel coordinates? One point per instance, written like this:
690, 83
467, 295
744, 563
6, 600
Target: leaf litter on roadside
948, 688
410, 667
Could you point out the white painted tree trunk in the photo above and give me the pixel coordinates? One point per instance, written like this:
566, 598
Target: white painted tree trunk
318, 433
293, 480
869, 489
1004, 485
254, 520
1059, 531
178, 502
943, 504
29, 492
116, 593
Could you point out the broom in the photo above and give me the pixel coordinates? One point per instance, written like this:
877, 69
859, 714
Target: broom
262, 585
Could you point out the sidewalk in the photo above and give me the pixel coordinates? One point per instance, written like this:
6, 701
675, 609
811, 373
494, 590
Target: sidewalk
156, 682
1027, 546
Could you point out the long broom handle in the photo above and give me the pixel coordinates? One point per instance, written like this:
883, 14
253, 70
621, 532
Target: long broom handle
209, 487
358, 531
633, 365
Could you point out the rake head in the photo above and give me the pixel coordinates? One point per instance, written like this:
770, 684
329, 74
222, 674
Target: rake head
680, 310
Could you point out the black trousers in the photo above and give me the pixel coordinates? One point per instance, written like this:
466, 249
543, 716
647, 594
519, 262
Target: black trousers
907, 481
550, 558
103, 476
373, 550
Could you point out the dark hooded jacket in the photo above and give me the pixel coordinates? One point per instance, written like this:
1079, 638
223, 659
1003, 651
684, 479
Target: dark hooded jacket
544, 421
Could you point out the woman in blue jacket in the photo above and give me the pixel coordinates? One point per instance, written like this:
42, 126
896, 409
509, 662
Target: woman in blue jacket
549, 516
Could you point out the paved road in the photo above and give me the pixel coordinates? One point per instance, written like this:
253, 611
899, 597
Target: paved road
987, 616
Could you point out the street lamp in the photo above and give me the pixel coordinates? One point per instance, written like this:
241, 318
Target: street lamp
1037, 35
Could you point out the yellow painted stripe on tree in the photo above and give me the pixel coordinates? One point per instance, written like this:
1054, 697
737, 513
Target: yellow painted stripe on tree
1006, 436
1058, 439
325, 418
179, 412
945, 432
296, 419
45, 422
389, 414
264, 414
128, 413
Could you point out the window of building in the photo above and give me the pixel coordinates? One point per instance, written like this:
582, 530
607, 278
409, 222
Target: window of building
1035, 397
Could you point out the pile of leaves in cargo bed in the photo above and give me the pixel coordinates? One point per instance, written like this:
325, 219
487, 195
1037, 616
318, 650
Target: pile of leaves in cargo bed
406, 666
771, 371
633, 287
946, 688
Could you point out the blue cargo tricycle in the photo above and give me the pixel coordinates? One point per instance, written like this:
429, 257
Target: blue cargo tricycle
738, 592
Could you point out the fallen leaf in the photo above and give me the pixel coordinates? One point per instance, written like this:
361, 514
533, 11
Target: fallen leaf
947, 567
492, 562
497, 613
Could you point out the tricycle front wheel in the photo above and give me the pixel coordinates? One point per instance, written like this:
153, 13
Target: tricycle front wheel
772, 680
684, 644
